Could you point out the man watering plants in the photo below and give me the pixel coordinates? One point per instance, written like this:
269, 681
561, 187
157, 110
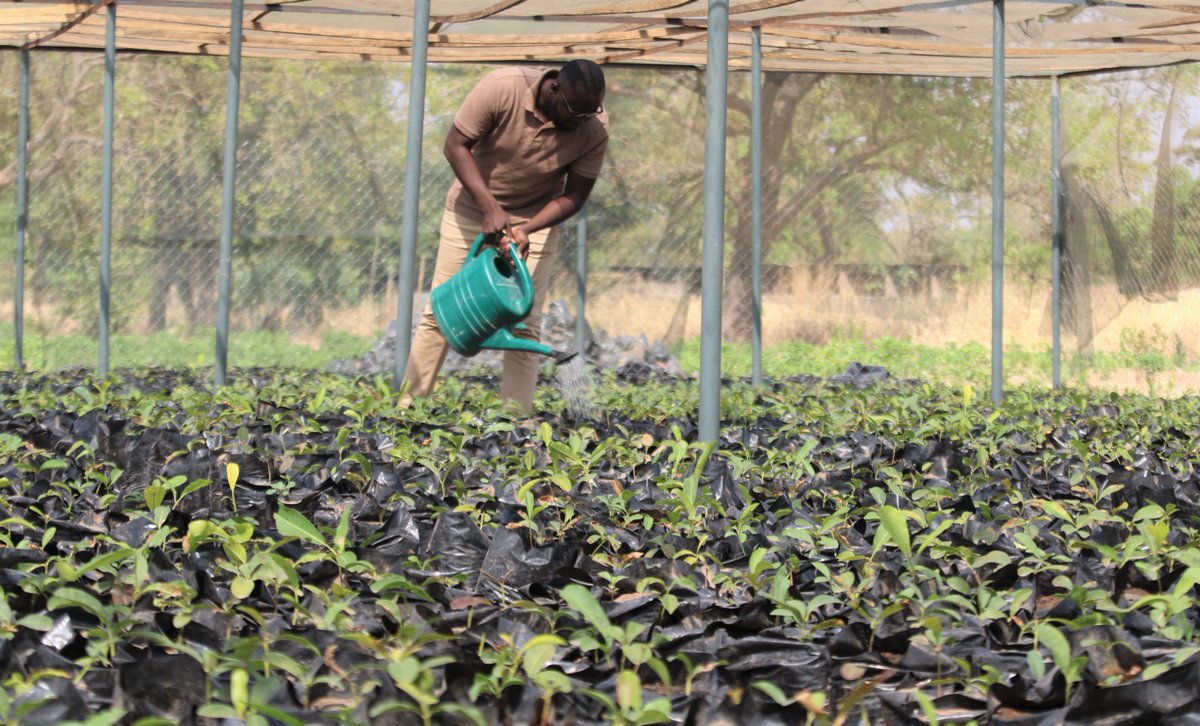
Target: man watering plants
526, 148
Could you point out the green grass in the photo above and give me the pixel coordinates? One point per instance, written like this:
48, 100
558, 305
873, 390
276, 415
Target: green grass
970, 362
952, 364
955, 365
179, 350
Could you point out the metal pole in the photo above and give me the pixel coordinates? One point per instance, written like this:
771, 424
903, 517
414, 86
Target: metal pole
714, 221
756, 142
225, 265
581, 281
412, 187
997, 201
106, 182
22, 214
1057, 238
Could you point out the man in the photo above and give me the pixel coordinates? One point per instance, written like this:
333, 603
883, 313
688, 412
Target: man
526, 149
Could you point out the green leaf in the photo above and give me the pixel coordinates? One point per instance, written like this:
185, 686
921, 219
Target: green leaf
67, 597
291, 523
108, 558
239, 691
343, 529
193, 487
895, 522
928, 709
108, 717
405, 670
36, 621
154, 495
241, 587
1037, 666
581, 600
629, 691
1186, 581
1057, 643
756, 559
657, 711
200, 530
775, 693
1057, 510
539, 651
998, 558
217, 710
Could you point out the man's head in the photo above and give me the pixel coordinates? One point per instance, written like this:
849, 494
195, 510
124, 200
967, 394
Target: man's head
577, 94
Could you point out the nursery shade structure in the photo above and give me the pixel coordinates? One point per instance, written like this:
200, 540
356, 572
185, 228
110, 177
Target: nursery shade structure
950, 38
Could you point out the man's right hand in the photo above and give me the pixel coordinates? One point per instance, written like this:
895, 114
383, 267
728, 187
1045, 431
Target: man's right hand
495, 221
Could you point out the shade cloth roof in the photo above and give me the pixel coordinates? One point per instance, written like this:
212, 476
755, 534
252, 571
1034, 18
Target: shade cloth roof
950, 38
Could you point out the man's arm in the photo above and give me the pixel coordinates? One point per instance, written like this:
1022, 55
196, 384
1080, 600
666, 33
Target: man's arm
575, 195
457, 150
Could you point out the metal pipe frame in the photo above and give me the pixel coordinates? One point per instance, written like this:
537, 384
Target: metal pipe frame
581, 233
997, 201
22, 214
412, 189
106, 183
756, 144
714, 220
229, 178
1056, 243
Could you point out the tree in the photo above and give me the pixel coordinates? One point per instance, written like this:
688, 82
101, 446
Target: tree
65, 81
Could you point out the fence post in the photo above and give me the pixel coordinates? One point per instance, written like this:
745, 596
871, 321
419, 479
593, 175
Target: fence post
22, 214
581, 232
106, 182
714, 220
229, 176
756, 196
1056, 241
997, 201
412, 188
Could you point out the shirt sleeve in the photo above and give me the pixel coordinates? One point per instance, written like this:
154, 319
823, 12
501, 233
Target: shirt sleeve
477, 114
591, 163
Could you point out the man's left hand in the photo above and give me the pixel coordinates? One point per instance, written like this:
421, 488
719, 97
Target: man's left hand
521, 240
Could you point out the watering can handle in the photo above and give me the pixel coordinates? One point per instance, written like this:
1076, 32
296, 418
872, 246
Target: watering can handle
523, 276
477, 245
482, 237
524, 279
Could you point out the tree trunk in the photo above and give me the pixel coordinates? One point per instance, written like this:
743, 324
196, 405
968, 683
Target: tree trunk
1076, 267
782, 92
160, 289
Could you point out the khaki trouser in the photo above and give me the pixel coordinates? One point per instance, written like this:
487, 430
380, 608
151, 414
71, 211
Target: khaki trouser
429, 348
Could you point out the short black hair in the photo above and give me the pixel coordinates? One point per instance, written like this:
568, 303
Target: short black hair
583, 74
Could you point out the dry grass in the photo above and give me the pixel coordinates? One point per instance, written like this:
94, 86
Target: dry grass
816, 309
819, 308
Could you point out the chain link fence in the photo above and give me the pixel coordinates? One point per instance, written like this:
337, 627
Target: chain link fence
876, 209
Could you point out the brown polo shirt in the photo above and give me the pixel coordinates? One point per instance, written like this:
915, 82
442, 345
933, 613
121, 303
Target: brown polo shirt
523, 158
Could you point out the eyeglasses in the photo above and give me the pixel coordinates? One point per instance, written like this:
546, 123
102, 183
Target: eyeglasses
573, 112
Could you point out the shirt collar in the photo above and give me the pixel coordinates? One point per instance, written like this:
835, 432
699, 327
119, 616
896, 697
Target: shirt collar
531, 95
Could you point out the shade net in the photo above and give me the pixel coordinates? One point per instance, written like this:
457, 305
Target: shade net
876, 210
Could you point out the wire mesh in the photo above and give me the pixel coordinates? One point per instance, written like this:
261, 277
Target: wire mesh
876, 208
1132, 236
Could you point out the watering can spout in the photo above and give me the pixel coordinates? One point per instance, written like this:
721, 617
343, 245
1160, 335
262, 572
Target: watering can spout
503, 339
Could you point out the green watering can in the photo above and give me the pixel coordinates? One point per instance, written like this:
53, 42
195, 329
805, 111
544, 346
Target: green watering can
489, 296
